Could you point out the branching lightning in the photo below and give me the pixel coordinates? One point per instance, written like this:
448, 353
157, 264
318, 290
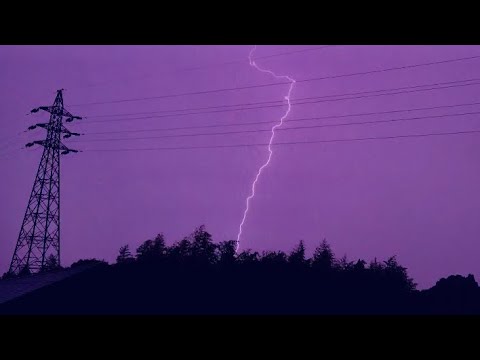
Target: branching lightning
270, 151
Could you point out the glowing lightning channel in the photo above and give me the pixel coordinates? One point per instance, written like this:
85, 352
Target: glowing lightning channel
270, 152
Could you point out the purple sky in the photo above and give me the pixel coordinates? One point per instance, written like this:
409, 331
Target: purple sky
417, 198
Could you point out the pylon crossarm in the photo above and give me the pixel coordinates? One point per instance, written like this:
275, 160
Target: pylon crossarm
69, 116
68, 133
54, 109
42, 125
37, 142
45, 108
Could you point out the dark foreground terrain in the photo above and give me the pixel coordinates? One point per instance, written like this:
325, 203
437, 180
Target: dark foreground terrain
196, 276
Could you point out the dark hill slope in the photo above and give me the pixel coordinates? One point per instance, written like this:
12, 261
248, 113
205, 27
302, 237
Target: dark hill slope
146, 288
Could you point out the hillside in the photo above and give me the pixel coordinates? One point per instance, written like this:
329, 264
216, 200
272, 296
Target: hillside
196, 276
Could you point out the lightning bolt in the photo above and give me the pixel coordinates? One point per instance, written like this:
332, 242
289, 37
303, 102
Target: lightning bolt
270, 151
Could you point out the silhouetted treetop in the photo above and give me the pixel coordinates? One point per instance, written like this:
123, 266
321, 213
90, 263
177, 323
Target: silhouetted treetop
248, 256
89, 262
226, 252
202, 247
344, 264
198, 249
151, 250
51, 263
397, 274
297, 256
323, 257
124, 255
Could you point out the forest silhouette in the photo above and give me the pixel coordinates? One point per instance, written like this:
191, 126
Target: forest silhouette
198, 276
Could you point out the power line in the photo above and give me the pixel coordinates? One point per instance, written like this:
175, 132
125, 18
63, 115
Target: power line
282, 101
295, 52
257, 58
292, 142
287, 121
272, 106
282, 83
180, 70
370, 122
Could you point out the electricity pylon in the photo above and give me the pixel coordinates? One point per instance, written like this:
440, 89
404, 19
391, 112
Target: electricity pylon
38, 244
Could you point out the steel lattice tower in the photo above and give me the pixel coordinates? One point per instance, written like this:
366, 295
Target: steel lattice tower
38, 243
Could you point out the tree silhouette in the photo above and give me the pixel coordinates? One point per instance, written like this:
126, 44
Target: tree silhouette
196, 275
274, 258
248, 257
180, 251
124, 255
344, 265
88, 262
202, 247
397, 275
226, 252
159, 247
152, 250
51, 263
8, 275
359, 266
375, 266
25, 271
297, 255
323, 257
